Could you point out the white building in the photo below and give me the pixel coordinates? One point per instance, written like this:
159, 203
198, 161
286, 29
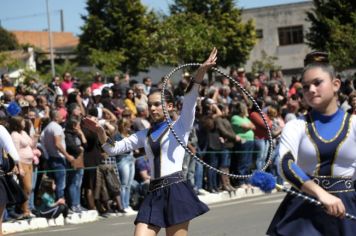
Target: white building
281, 33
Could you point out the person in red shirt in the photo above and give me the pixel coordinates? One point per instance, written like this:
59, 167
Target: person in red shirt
261, 135
241, 77
67, 83
97, 84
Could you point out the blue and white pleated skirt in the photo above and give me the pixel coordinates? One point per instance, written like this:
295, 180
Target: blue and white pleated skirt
298, 217
171, 205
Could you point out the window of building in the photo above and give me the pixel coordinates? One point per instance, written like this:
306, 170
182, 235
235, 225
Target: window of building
290, 35
259, 33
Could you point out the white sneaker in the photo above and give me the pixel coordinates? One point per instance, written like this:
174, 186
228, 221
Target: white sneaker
130, 208
203, 192
32, 215
130, 211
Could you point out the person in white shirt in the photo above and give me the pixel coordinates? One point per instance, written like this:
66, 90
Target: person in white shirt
171, 202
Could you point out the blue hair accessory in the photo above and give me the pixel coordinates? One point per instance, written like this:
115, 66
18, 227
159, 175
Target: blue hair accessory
263, 180
267, 182
13, 109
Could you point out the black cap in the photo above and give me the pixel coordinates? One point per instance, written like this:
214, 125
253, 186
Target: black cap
316, 57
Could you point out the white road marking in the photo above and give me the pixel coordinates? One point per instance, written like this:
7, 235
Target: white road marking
269, 202
278, 199
49, 231
122, 223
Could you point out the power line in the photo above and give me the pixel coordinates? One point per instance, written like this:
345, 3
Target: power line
28, 16
50, 39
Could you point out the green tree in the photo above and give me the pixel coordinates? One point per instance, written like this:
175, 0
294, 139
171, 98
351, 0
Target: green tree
66, 66
85, 77
8, 41
266, 64
225, 29
8, 62
118, 29
181, 38
106, 61
333, 30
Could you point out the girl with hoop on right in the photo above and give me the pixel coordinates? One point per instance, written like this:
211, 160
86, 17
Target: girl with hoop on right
317, 157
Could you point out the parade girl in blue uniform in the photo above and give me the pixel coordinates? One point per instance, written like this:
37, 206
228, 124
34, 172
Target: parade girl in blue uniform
317, 157
171, 202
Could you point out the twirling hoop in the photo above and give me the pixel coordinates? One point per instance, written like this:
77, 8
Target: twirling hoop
170, 124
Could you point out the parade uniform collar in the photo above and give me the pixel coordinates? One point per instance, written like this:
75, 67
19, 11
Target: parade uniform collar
158, 129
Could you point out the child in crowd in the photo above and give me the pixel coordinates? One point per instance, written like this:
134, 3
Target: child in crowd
49, 208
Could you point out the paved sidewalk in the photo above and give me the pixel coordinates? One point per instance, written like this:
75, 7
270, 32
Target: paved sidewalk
90, 216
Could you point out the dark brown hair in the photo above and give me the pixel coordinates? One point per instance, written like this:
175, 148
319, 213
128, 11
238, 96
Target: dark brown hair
46, 186
15, 124
168, 96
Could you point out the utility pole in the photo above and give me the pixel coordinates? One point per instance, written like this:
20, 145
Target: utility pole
62, 20
50, 41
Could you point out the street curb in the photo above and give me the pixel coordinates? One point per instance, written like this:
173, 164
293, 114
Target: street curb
92, 215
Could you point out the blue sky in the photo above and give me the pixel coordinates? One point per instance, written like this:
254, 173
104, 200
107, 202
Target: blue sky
31, 14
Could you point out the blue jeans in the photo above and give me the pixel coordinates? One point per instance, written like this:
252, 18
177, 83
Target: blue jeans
31, 201
126, 168
198, 177
261, 148
245, 159
274, 165
212, 160
189, 168
74, 182
224, 158
58, 166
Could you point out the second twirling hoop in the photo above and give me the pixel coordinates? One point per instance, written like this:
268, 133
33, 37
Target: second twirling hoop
238, 85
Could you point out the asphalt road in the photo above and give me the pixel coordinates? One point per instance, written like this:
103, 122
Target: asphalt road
242, 217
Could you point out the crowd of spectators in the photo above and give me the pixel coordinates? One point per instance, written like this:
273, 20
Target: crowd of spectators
63, 168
